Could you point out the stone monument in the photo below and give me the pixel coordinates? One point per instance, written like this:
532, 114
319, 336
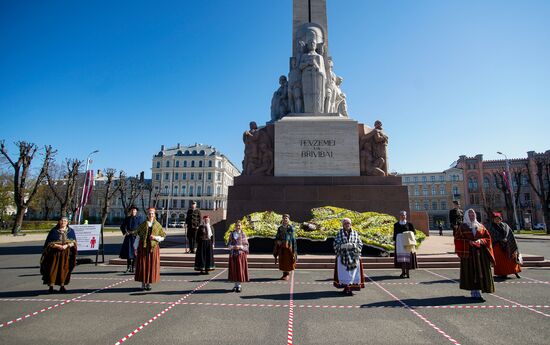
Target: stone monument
312, 153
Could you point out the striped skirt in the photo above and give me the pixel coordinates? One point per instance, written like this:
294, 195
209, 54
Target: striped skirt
148, 265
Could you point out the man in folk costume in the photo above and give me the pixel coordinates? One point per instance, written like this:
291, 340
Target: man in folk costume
456, 215
149, 234
505, 248
474, 248
285, 249
204, 259
58, 256
348, 268
405, 256
128, 228
192, 220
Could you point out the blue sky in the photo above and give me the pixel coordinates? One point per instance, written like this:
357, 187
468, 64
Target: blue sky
445, 77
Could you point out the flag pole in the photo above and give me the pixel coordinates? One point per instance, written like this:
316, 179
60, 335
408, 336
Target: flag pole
84, 186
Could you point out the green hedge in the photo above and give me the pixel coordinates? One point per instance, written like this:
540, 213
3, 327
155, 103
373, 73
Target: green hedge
38, 225
374, 228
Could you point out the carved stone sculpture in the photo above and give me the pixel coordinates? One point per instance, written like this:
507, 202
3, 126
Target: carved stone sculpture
373, 152
279, 102
295, 87
258, 152
312, 67
340, 105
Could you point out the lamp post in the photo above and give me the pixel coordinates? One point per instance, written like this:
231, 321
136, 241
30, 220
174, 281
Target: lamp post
84, 186
511, 189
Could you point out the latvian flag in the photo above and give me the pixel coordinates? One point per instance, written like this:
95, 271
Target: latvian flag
88, 184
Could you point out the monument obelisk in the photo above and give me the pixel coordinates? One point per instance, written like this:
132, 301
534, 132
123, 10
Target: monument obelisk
311, 153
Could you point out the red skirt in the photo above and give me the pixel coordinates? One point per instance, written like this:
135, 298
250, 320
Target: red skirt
504, 265
238, 268
148, 265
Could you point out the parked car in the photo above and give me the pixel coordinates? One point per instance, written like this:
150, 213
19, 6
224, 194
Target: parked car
539, 226
173, 224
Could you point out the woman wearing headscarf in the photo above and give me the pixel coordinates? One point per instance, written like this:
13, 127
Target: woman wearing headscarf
404, 242
204, 257
505, 248
149, 234
348, 268
238, 257
58, 256
128, 228
474, 248
285, 248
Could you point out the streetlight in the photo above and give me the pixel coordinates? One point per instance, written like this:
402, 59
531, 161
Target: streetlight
84, 186
511, 189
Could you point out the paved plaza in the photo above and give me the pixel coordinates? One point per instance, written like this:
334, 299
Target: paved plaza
105, 306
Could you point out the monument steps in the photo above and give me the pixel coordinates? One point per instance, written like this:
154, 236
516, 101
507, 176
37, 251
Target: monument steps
327, 261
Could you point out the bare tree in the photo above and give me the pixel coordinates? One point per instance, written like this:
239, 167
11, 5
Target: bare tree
111, 188
66, 196
148, 188
23, 193
541, 186
130, 188
45, 201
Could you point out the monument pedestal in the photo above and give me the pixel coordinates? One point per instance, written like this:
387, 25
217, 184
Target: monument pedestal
298, 195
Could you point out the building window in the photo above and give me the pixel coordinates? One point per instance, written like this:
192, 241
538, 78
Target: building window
176, 176
157, 176
200, 164
417, 205
182, 203
443, 205
177, 164
210, 164
168, 164
158, 165
208, 190
434, 205
190, 190
218, 176
407, 179
415, 179
199, 190
424, 179
167, 176
472, 184
416, 192
432, 178
426, 205
185, 164
200, 176
433, 190
486, 182
183, 190
175, 192
455, 190
425, 191
192, 176
184, 176
441, 178
192, 164
209, 176
441, 190
218, 190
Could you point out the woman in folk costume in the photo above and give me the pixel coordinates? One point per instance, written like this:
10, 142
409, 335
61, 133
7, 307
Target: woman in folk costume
128, 228
149, 234
348, 268
204, 258
238, 257
505, 248
473, 247
58, 256
404, 242
285, 249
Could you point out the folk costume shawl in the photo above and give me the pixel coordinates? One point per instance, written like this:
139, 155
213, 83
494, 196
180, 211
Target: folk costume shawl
237, 239
57, 236
467, 233
348, 247
142, 232
500, 233
287, 236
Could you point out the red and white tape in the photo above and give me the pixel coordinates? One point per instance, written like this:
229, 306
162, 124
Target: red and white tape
291, 312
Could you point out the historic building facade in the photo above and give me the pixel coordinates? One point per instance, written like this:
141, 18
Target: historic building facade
183, 174
434, 192
486, 187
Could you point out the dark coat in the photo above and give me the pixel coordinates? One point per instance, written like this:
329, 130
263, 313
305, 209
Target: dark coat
128, 227
193, 218
399, 229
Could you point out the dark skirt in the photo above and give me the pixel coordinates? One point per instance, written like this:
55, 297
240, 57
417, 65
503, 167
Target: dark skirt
504, 265
148, 265
475, 271
127, 249
287, 260
238, 268
411, 265
56, 266
204, 258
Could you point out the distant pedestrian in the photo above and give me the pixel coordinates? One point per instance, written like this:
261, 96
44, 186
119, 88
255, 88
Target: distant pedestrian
440, 228
204, 258
505, 248
128, 228
348, 268
148, 236
456, 215
238, 257
473, 247
285, 249
192, 220
404, 239
58, 256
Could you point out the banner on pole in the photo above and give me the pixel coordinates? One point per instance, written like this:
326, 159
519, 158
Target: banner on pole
87, 236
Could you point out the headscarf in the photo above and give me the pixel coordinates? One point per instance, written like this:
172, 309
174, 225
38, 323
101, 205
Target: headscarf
474, 225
